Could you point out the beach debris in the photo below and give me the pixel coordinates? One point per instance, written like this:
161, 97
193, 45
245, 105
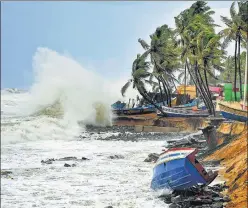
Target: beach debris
116, 157
67, 158
67, 165
152, 157
209, 133
50, 161
197, 197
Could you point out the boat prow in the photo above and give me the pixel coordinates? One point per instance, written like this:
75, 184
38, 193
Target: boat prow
178, 169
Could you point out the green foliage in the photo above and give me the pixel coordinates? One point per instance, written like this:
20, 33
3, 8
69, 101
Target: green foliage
192, 49
228, 72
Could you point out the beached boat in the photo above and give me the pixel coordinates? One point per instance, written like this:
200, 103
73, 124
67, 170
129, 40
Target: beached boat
138, 110
233, 114
172, 112
188, 105
178, 169
118, 105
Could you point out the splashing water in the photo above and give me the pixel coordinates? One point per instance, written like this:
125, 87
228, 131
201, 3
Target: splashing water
44, 123
69, 90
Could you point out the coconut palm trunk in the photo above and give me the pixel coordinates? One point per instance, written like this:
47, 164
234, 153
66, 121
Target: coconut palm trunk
146, 97
196, 82
235, 72
194, 79
202, 88
161, 92
208, 91
239, 58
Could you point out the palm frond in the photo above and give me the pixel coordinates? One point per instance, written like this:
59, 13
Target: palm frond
233, 12
125, 87
143, 44
227, 21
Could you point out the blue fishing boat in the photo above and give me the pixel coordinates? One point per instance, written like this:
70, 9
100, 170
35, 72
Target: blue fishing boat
173, 112
233, 114
178, 169
195, 102
118, 105
138, 110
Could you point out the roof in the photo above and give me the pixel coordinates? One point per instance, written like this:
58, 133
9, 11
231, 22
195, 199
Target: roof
215, 89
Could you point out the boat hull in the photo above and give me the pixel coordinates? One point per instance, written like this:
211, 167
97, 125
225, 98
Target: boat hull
234, 117
179, 175
233, 114
178, 169
171, 112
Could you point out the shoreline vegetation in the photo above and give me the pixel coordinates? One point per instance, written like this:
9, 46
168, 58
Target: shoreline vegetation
197, 52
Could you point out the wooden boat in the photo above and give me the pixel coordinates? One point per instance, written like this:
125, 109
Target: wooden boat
138, 110
172, 112
188, 105
178, 169
233, 114
118, 105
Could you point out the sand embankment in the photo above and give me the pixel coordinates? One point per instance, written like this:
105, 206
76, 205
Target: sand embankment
233, 158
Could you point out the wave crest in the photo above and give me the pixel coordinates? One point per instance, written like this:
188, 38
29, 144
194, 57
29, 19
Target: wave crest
64, 89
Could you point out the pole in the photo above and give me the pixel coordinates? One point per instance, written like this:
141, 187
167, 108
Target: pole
246, 75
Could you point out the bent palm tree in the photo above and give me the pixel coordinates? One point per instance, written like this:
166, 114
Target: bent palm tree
140, 71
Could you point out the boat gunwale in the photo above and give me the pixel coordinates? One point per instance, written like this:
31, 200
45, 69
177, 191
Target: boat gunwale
225, 106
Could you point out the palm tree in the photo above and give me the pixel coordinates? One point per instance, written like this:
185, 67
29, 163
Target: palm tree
234, 32
164, 57
140, 71
190, 23
209, 56
243, 11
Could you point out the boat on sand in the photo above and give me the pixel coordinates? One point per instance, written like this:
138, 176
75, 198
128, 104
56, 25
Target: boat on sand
233, 113
173, 112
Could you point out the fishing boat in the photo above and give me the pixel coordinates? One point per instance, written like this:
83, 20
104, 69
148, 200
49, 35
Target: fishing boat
118, 105
172, 112
188, 105
178, 169
233, 114
138, 110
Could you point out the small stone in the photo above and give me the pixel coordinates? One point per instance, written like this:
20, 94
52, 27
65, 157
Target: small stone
153, 157
217, 199
67, 165
5, 172
116, 157
217, 205
73, 165
67, 158
225, 204
49, 161
84, 158
176, 199
108, 207
173, 205
226, 199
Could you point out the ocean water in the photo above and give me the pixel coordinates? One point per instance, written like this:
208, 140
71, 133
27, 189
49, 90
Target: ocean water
42, 123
